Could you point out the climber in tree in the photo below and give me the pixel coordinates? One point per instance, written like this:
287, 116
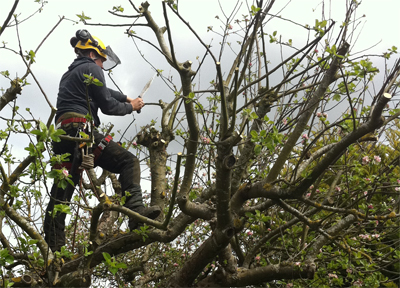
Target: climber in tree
72, 107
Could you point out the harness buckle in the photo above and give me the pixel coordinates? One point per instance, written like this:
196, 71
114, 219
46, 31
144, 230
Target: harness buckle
102, 145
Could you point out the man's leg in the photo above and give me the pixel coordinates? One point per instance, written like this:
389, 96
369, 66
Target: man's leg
116, 159
54, 223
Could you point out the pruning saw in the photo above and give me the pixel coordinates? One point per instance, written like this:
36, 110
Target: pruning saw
145, 88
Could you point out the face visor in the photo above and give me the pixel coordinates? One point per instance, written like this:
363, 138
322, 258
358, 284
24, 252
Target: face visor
112, 59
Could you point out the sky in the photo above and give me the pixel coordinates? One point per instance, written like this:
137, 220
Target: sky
379, 31
378, 27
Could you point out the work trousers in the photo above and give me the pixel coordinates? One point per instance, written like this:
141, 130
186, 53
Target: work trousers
114, 158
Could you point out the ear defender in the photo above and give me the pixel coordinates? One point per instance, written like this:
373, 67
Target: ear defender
73, 41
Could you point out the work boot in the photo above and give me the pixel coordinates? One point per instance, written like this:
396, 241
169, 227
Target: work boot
150, 212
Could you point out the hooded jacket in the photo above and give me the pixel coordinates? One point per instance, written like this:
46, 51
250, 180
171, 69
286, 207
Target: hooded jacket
72, 93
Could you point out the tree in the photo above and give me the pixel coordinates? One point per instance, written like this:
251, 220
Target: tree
265, 188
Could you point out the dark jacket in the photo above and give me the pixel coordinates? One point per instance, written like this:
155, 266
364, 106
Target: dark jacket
72, 92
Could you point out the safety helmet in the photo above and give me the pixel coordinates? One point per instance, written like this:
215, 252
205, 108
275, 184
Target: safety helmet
100, 47
83, 40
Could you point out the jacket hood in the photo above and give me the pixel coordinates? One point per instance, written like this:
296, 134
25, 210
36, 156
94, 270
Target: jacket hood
79, 61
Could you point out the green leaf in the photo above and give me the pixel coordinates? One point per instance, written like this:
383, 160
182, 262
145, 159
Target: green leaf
30, 56
107, 256
257, 149
63, 184
121, 265
53, 173
84, 135
97, 82
336, 97
253, 116
254, 134
118, 9
5, 73
254, 9
14, 190
87, 253
9, 259
82, 17
5, 257
113, 270
54, 134
190, 97
62, 208
91, 80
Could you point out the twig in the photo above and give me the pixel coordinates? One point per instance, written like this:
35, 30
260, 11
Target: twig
174, 190
30, 71
234, 98
171, 44
48, 34
349, 98
9, 17
224, 111
194, 33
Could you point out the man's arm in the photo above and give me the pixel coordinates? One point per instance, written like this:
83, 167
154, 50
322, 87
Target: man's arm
118, 96
137, 103
109, 101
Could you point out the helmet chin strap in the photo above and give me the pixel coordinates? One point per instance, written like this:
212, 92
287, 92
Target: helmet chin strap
95, 57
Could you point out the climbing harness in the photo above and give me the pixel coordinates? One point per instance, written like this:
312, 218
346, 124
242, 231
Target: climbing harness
70, 120
88, 154
82, 151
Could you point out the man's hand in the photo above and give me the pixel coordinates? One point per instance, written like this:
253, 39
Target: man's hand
137, 103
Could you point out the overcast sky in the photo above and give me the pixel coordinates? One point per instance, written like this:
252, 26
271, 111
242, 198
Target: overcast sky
379, 31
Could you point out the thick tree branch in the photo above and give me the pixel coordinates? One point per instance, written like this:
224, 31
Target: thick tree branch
10, 94
158, 33
201, 257
125, 242
329, 77
373, 123
322, 240
31, 231
257, 276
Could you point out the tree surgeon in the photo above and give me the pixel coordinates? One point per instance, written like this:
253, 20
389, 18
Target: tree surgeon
72, 107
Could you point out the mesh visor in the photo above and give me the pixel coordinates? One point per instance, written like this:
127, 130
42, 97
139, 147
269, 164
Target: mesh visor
112, 59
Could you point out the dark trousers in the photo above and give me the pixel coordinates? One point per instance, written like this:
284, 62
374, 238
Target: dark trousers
115, 159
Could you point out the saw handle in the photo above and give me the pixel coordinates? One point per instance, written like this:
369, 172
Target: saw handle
140, 110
